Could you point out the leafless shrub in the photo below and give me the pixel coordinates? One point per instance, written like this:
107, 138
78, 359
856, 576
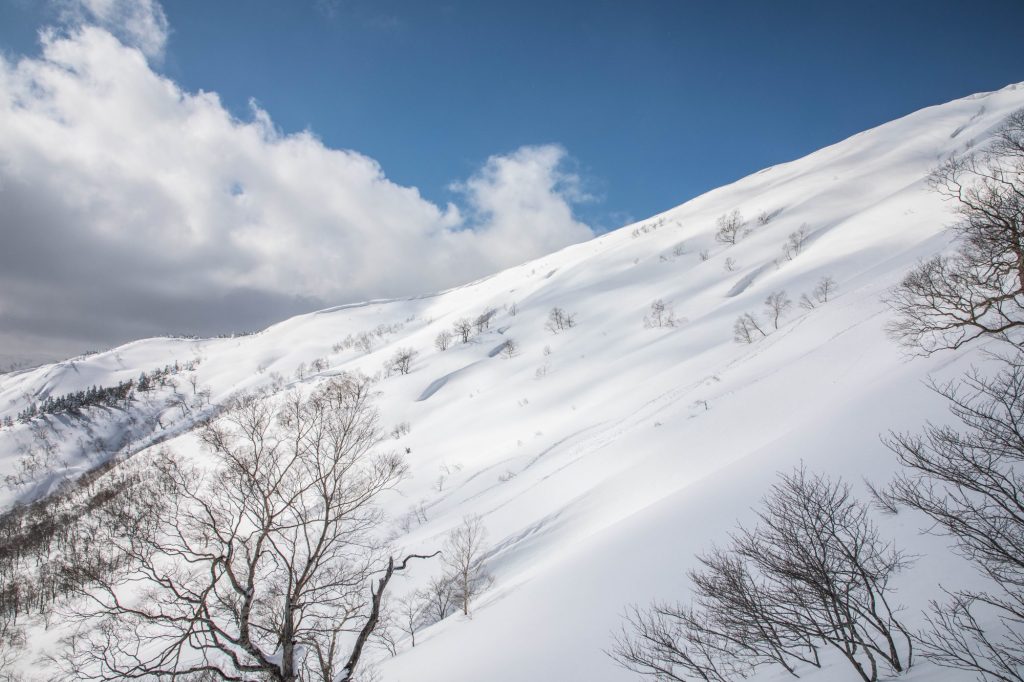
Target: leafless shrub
822, 293
730, 228
400, 429
704, 255
401, 361
765, 217
463, 329
795, 243
483, 320
443, 340
439, 597
746, 329
660, 315
364, 343
509, 349
559, 320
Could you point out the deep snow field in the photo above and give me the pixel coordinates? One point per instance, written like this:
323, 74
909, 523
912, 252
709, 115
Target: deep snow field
604, 457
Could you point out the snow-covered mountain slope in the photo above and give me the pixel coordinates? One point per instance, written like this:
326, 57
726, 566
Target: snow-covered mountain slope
603, 457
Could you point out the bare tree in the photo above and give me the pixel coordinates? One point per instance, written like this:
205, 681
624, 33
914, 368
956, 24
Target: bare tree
463, 329
765, 217
510, 348
483, 320
439, 597
464, 554
660, 315
12, 643
258, 566
730, 264
795, 243
968, 482
387, 634
824, 289
824, 562
704, 255
947, 301
364, 342
661, 642
327, 670
730, 227
743, 610
443, 340
410, 613
401, 361
813, 572
777, 303
745, 328
821, 293
559, 320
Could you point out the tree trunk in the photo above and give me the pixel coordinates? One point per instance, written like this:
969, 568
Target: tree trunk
371, 622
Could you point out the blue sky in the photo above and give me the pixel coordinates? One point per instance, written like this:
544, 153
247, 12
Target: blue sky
655, 100
208, 167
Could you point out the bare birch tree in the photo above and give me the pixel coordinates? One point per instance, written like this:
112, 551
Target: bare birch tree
464, 554
260, 565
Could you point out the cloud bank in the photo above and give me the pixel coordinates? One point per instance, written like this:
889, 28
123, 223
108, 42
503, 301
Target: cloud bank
133, 208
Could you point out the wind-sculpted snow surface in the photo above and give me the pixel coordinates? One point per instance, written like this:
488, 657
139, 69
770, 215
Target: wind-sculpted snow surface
603, 457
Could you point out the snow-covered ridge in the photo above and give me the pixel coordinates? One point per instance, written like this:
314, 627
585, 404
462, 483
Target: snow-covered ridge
603, 457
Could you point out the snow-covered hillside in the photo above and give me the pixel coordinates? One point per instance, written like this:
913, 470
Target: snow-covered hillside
602, 458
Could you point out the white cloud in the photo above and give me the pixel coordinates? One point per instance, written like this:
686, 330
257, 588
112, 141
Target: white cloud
132, 207
523, 201
138, 23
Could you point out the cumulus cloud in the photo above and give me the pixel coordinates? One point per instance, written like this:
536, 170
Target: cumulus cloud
138, 23
523, 201
133, 208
